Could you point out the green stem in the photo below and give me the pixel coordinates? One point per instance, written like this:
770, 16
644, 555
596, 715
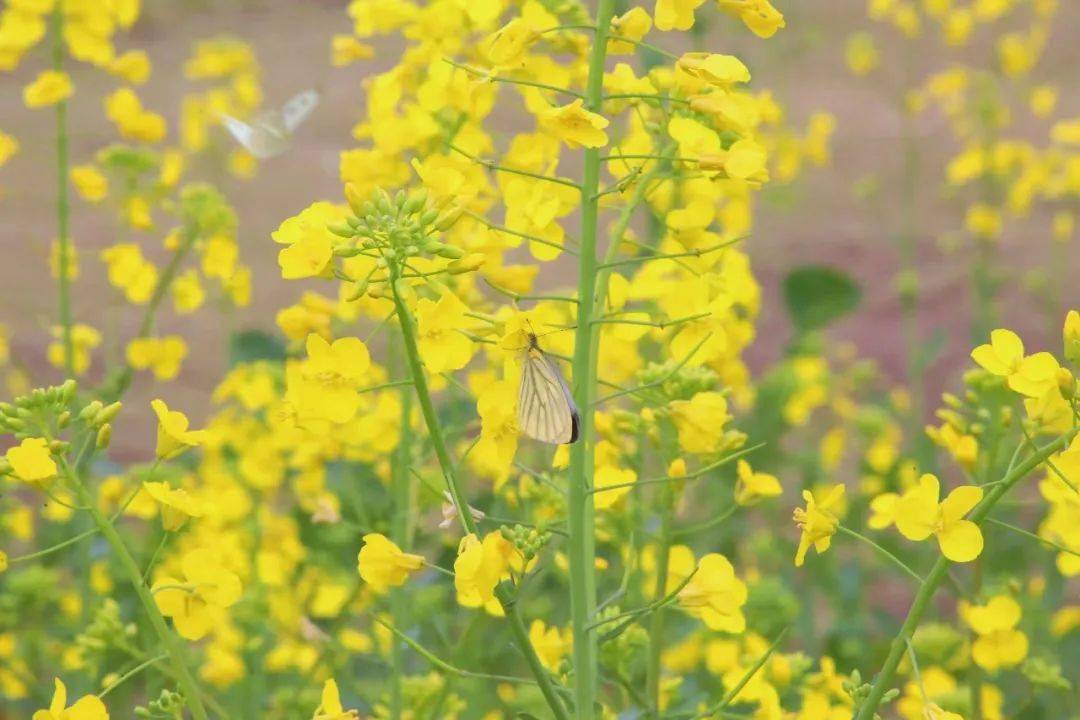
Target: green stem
438, 441
892, 558
656, 626
581, 544
402, 483
153, 558
54, 548
132, 673
63, 210
192, 691
496, 167
937, 573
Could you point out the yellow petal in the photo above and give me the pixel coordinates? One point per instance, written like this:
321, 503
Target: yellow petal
961, 541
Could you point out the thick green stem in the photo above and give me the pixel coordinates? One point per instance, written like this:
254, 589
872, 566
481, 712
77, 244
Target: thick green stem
188, 685
438, 441
656, 627
402, 485
581, 544
937, 573
63, 211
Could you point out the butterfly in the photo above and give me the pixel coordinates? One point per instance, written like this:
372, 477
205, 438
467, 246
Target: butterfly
546, 409
270, 133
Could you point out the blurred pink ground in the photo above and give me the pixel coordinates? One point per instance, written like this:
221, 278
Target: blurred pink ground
819, 219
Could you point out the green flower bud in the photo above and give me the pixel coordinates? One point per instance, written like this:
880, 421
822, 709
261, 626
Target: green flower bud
344, 230
1066, 383
447, 220
91, 409
104, 436
64, 419
359, 289
68, 390
416, 201
356, 201
467, 264
107, 414
451, 252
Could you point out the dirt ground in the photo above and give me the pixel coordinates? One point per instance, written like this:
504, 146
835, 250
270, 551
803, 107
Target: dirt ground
819, 219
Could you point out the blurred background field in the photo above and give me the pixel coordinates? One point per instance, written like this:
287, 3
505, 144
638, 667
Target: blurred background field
825, 216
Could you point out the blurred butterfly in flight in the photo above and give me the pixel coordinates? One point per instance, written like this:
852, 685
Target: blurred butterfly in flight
270, 133
546, 409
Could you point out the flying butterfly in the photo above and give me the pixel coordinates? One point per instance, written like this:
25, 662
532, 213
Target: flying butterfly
270, 133
546, 409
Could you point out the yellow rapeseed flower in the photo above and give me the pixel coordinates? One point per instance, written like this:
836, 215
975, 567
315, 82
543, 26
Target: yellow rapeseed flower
196, 600
49, 88
330, 707
919, 514
382, 564
1030, 375
176, 504
88, 707
173, 435
575, 126
818, 521
31, 460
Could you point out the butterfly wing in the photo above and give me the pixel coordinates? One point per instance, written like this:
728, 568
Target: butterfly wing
298, 109
546, 410
264, 138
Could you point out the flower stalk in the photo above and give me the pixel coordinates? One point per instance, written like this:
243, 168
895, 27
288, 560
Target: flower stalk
168, 639
581, 548
438, 441
63, 208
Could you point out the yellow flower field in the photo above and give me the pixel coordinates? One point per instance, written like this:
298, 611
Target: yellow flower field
585, 360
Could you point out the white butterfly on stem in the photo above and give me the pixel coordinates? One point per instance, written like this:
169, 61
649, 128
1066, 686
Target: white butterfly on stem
546, 409
269, 134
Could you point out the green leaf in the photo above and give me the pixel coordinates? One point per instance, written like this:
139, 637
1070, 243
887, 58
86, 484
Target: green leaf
816, 295
250, 345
